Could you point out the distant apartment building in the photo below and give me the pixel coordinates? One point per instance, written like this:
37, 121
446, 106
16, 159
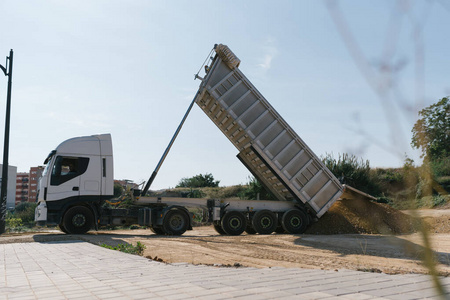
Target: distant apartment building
22, 181
27, 185
11, 187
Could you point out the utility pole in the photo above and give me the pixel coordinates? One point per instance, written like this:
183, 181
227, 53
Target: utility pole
4, 185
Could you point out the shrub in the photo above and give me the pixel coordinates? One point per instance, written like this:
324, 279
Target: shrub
438, 200
353, 171
118, 190
255, 189
13, 223
192, 194
25, 212
444, 182
440, 167
128, 248
224, 192
200, 180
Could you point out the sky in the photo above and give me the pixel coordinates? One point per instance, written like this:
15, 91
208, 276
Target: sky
348, 76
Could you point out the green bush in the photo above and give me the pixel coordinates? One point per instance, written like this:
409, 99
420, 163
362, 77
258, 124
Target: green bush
200, 180
25, 212
444, 182
390, 175
128, 248
118, 190
224, 192
432, 201
353, 171
440, 167
254, 190
439, 200
192, 194
13, 223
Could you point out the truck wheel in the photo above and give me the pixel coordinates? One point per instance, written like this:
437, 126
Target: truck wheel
158, 231
78, 220
62, 228
175, 222
265, 221
234, 223
294, 221
219, 229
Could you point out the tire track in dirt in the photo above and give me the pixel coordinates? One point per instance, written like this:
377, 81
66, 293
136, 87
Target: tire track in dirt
307, 251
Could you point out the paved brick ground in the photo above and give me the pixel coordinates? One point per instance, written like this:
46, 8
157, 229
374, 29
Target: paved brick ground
79, 270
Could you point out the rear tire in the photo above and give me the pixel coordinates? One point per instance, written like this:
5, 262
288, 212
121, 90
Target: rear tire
219, 229
158, 231
295, 221
176, 222
265, 221
233, 223
78, 220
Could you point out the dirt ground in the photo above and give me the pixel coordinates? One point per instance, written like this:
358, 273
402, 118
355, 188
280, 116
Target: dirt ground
376, 253
392, 254
353, 234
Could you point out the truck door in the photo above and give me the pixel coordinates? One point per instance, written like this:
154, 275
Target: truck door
64, 181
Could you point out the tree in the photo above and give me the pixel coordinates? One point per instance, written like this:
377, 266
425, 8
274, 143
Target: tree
431, 133
200, 180
352, 171
118, 190
256, 190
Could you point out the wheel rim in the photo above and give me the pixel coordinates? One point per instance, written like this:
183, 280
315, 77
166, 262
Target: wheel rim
265, 222
235, 223
176, 222
79, 220
295, 222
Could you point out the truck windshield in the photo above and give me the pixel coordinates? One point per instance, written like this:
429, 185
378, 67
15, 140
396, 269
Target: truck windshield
47, 161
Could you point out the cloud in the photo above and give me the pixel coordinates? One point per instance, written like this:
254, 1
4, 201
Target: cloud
270, 51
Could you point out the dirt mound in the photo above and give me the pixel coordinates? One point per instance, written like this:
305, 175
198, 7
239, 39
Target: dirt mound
363, 216
439, 224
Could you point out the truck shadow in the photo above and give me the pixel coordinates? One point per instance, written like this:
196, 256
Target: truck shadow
111, 239
388, 246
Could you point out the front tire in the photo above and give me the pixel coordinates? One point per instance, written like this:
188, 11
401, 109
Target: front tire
78, 220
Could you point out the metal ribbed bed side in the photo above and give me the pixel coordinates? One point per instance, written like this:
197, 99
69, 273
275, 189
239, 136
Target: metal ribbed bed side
268, 146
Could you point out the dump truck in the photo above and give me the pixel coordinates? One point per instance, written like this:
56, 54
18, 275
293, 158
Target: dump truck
78, 177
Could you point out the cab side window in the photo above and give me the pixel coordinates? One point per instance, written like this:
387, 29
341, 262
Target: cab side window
67, 168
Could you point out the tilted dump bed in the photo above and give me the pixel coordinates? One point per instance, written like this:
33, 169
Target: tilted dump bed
267, 145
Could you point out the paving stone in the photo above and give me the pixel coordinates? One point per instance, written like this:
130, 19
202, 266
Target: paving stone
315, 295
357, 296
74, 269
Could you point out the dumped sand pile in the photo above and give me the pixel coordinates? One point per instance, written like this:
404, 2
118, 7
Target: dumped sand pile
439, 224
363, 216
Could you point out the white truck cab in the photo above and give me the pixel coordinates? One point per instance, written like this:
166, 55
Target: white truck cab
79, 170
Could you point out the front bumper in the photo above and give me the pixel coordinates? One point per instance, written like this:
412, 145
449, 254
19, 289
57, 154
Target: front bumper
40, 214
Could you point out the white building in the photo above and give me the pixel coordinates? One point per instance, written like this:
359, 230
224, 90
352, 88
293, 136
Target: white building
11, 189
